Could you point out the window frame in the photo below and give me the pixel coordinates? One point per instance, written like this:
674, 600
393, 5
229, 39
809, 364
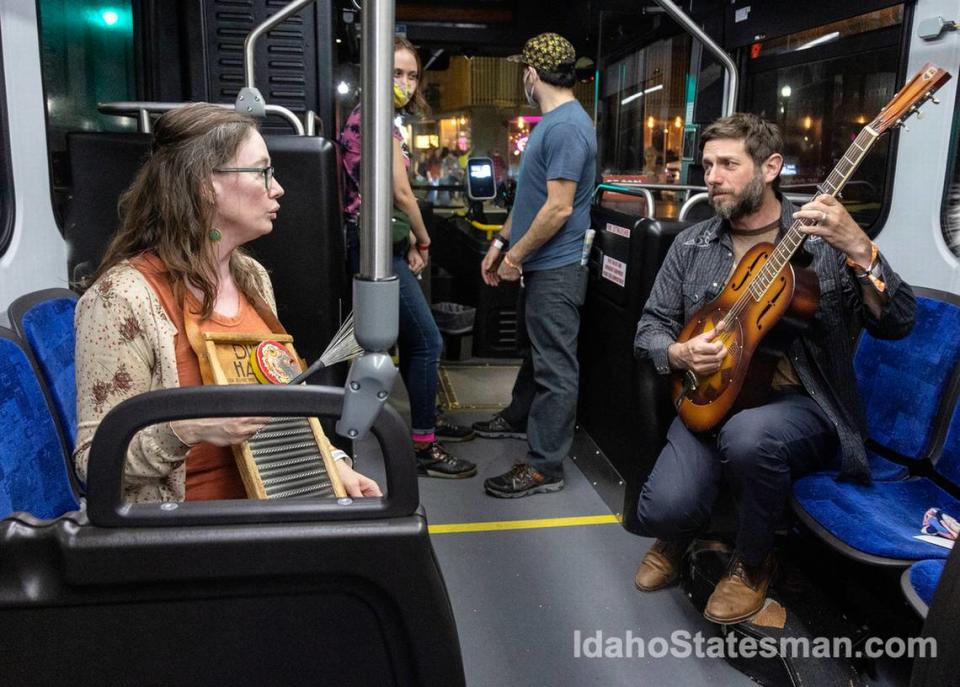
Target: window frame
7, 195
951, 177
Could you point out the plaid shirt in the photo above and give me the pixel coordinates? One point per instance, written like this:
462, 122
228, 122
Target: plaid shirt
696, 270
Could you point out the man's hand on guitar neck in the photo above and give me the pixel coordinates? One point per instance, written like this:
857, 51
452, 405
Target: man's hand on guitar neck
839, 229
701, 354
835, 225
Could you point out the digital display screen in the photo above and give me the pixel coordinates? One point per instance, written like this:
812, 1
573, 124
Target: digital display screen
481, 184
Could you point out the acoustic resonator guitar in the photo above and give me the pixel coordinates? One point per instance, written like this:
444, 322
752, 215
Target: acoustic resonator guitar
766, 288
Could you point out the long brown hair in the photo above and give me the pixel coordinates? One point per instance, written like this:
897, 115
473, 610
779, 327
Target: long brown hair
418, 104
169, 207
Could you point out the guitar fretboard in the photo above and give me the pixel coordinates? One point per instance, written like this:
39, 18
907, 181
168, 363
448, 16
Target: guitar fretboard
794, 238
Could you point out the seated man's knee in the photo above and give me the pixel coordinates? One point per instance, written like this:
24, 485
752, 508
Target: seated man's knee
666, 516
746, 445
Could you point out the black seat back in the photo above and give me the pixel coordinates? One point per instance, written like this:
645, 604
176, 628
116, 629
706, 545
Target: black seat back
291, 592
102, 165
943, 669
623, 404
304, 253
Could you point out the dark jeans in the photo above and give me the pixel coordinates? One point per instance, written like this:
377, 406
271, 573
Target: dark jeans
757, 452
521, 397
418, 340
544, 396
420, 344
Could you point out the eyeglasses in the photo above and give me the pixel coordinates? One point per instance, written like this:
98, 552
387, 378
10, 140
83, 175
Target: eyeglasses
267, 173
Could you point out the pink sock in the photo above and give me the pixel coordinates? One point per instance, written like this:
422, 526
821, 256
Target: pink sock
424, 438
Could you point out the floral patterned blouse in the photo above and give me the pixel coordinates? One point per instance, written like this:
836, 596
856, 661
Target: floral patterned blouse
125, 346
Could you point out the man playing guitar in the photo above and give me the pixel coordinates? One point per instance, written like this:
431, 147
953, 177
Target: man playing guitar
812, 418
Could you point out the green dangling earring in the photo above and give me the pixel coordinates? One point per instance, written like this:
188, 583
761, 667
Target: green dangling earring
215, 235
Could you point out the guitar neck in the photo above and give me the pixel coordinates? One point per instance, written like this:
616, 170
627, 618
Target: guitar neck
831, 186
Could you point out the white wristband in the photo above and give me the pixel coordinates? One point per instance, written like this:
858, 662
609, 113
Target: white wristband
179, 438
339, 455
498, 242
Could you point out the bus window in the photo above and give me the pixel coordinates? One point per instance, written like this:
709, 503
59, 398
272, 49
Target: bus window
821, 86
950, 220
87, 57
642, 100
6, 175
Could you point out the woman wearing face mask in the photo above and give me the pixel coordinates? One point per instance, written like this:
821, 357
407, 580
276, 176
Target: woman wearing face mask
419, 339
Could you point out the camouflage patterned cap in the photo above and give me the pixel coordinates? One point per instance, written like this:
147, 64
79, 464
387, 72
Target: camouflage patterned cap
546, 52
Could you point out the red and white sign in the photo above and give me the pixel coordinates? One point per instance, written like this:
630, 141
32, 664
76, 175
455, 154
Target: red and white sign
614, 270
618, 230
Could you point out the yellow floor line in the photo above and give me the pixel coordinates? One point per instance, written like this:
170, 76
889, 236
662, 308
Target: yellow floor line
499, 525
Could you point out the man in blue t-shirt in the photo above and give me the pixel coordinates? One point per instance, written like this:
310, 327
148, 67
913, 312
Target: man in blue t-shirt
546, 231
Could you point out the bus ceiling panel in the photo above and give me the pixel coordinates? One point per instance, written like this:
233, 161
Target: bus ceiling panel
748, 21
490, 27
196, 53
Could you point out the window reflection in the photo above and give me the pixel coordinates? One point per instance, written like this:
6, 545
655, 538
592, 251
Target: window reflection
822, 95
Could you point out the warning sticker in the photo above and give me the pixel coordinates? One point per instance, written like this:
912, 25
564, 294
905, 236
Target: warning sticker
614, 270
618, 230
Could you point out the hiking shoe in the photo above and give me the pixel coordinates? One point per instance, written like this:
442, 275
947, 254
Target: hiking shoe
447, 431
434, 461
498, 428
521, 480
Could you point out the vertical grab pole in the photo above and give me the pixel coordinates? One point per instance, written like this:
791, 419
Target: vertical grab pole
376, 189
376, 290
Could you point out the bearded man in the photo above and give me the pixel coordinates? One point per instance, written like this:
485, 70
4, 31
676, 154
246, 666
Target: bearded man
813, 418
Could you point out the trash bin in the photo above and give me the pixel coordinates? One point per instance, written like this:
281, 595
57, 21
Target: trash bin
459, 249
455, 323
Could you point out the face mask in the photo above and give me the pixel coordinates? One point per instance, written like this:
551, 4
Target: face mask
528, 93
400, 96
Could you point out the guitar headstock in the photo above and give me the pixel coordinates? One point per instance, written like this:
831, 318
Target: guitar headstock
908, 99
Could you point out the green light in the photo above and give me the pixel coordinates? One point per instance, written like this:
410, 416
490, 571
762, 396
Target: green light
111, 18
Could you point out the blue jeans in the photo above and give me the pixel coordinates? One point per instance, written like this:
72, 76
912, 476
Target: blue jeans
758, 452
420, 344
545, 392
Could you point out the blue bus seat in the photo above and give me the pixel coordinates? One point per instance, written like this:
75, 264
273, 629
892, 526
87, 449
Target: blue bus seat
920, 581
904, 382
875, 523
44, 320
33, 463
912, 387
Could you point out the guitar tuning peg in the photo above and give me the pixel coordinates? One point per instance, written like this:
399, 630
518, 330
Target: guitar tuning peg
935, 100
919, 114
904, 126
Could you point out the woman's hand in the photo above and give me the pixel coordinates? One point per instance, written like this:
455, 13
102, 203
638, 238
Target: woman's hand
357, 485
219, 431
416, 260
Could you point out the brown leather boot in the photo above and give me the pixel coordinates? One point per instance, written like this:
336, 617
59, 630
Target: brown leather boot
741, 593
661, 566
